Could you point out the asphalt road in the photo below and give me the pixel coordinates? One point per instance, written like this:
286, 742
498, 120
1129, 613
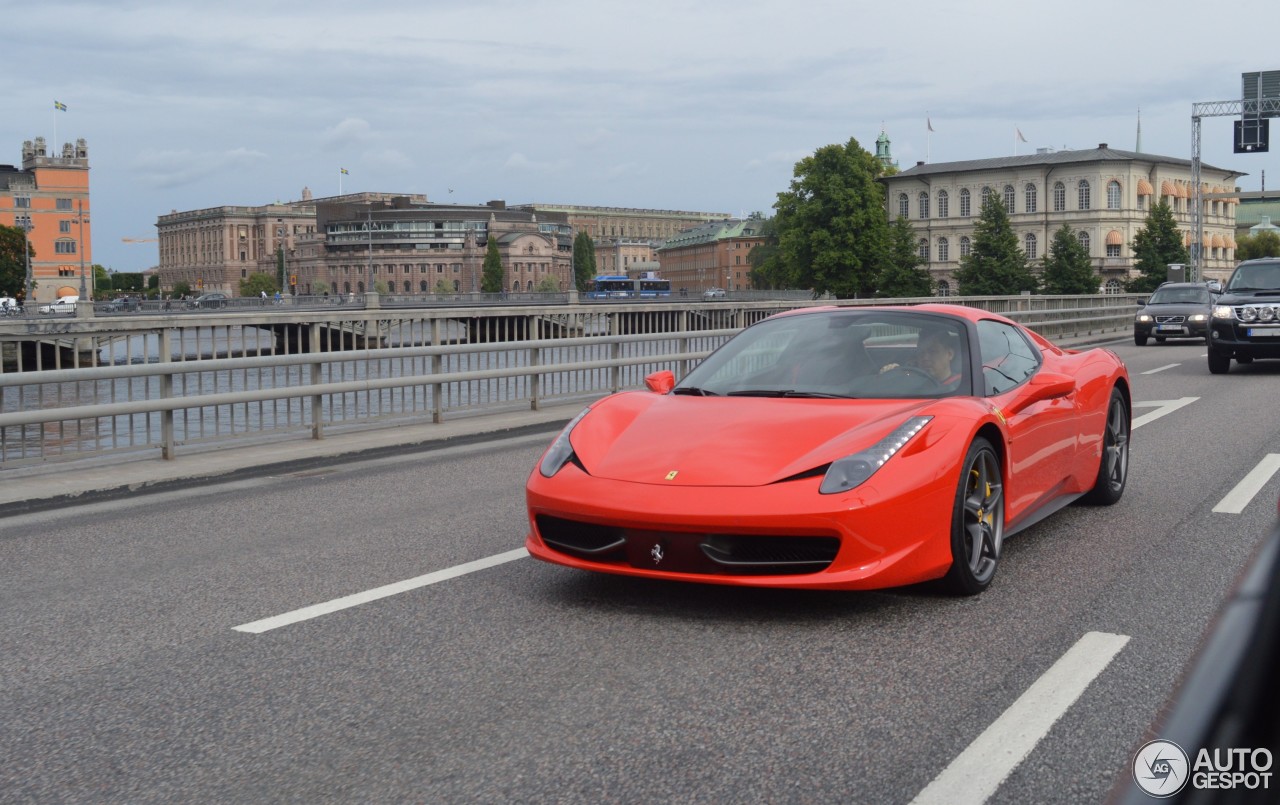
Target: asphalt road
123, 677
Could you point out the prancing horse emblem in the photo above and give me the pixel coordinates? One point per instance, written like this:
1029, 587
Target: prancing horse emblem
671, 476
656, 553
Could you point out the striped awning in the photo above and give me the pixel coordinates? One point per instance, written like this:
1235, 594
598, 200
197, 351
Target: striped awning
1218, 242
1144, 188
1167, 188
1114, 238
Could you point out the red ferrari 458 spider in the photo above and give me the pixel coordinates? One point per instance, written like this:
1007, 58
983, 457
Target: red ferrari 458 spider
837, 448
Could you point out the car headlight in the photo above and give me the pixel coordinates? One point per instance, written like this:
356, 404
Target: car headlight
560, 451
1222, 311
1198, 317
850, 471
1144, 318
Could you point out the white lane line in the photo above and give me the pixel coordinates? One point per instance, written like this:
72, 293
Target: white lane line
979, 769
1162, 368
1250, 485
356, 599
1163, 408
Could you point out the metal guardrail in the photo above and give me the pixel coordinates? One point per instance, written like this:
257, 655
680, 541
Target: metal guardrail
120, 385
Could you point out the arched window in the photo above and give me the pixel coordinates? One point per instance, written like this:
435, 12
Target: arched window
924, 205
986, 194
515, 286
966, 246
1029, 246
943, 247
922, 249
1083, 237
1008, 199
944, 288
1082, 195
1113, 195
944, 204
1059, 197
904, 206
1029, 196
1113, 286
965, 209
422, 287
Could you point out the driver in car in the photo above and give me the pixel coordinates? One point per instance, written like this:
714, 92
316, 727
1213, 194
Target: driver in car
934, 355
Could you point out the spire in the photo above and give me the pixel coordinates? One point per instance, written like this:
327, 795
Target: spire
1138, 146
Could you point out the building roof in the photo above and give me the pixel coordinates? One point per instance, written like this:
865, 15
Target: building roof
1100, 154
714, 231
1251, 211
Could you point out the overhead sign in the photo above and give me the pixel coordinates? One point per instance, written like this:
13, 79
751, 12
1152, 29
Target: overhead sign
1252, 135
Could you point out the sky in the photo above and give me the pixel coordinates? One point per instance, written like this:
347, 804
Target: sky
702, 106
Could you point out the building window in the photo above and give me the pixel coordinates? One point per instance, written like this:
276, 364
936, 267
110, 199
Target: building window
63, 204
1083, 237
943, 248
944, 204
1029, 196
64, 247
1029, 246
924, 205
1113, 195
1082, 194
1142, 203
965, 209
1059, 197
22, 202
922, 250
944, 288
1113, 286
966, 246
986, 194
904, 206
1008, 199
64, 227
1113, 250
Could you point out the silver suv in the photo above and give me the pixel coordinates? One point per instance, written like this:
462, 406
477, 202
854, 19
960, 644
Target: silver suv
1246, 318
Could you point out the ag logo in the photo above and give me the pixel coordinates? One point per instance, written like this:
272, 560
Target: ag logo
1160, 768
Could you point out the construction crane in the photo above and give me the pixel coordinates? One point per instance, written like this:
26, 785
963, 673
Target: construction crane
139, 240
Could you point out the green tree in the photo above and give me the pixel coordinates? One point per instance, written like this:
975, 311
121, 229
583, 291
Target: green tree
492, 276
102, 285
181, 289
767, 271
903, 274
256, 283
584, 261
1155, 246
1067, 268
548, 285
13, 265
831, 223
1263, 244
129, 281
442, 287
997, 265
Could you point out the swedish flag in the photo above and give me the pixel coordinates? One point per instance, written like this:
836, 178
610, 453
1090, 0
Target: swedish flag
61, 107
344, 170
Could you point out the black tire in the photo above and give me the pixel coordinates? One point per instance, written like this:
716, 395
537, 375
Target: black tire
1140, 339
1219, 362
977, 521
1113, 468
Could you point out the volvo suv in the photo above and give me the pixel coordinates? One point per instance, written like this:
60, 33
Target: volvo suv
1246, 317
1175, 310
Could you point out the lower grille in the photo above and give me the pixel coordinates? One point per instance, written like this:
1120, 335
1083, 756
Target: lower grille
680, 552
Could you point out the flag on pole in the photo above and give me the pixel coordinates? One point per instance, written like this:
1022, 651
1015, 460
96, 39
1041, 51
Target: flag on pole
1018, 131
928, 123
344, 171
58, 105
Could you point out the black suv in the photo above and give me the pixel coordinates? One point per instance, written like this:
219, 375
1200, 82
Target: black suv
1175, 310
1246, 318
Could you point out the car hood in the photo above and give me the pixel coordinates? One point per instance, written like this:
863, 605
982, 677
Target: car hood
681, 440
1175, 309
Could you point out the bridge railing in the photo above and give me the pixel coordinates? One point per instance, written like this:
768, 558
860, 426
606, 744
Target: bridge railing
78, 389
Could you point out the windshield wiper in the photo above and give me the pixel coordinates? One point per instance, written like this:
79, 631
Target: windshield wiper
694, 391
785, 393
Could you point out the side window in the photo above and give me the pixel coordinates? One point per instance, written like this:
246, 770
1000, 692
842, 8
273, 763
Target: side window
1008, 359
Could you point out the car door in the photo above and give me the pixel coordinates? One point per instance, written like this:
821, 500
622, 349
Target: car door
1043, 434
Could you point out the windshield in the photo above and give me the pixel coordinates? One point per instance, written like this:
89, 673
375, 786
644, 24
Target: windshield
1180, 296
880, 354
1259, 277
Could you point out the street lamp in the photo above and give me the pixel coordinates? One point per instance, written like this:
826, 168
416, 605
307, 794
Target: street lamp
26, 253
80, 220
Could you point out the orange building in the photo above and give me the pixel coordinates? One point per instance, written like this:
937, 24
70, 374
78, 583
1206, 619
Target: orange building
49, 197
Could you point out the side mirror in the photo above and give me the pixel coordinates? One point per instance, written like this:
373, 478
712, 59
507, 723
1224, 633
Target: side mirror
1142, 302
660, 382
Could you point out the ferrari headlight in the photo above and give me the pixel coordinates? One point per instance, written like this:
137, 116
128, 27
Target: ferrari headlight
853, 470
1143, 317
1222, 311
560, 451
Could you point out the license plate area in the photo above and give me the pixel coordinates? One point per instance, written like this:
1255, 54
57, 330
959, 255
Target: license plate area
1263, 332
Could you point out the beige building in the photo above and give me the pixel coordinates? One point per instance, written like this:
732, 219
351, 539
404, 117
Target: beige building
1103, 194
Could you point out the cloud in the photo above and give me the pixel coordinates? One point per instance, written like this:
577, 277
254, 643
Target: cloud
351, 132
167, 169
520, 162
